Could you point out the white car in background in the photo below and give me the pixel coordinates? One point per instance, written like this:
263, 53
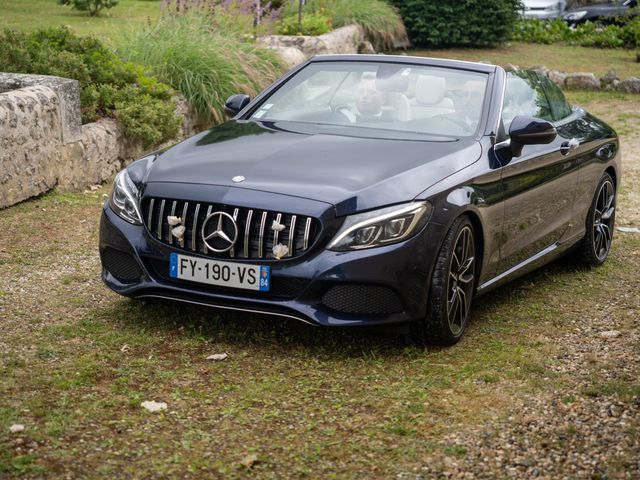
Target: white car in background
543, 9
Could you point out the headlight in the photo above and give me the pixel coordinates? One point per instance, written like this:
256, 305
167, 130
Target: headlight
125, 199
381, 227
575, 15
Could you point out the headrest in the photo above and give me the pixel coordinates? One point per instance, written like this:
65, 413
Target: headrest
392, 78
430, 90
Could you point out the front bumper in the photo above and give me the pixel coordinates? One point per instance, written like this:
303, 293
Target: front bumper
379, 286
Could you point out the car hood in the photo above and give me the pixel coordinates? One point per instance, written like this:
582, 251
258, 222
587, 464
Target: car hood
322, 163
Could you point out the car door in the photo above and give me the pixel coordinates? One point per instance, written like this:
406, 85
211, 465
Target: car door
539, 186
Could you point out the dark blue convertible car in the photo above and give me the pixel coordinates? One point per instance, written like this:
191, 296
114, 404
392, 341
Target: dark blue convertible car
366, 191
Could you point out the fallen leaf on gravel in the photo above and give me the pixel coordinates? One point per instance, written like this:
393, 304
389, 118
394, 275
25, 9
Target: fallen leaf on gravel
125, 348
217, 356
15, 428
610, 334
154, 406
249, 461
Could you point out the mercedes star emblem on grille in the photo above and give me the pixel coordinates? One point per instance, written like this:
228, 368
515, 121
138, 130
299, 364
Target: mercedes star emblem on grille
219, 232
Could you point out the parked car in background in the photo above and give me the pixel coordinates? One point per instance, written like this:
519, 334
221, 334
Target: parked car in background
367, 190
543, 9
604, 13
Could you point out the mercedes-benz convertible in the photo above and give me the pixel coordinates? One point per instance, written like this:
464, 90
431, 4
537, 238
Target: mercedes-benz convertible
367, 190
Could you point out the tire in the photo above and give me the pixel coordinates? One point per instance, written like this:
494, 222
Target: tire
596, 244
452, 286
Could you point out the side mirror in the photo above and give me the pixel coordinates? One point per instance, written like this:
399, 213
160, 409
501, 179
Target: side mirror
235, 103
529, 131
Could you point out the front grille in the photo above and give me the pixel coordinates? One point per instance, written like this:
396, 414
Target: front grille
255, 239
281, 287
362, 299
121, 265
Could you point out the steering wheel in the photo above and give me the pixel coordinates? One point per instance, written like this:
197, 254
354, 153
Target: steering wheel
343, 111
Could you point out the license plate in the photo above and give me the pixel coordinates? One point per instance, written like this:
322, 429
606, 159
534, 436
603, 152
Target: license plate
214, 272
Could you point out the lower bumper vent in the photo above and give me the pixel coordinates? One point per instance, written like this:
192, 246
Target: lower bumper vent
362, 299
121, 265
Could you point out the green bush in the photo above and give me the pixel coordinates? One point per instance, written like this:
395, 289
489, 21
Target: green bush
311, 24
380, 21
92, 6
588, 34
439, 23
205, 64
109, 87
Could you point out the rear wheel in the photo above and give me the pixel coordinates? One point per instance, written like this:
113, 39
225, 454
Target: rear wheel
600, 223
452, 287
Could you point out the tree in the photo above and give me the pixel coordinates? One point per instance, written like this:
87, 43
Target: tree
93, 6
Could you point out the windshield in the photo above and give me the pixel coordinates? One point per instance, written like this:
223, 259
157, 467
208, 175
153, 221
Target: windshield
397, 97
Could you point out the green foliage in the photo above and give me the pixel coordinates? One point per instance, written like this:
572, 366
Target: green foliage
458, 22
311, 24
381, 22
626, 35
108, 86
92, 6
204, 63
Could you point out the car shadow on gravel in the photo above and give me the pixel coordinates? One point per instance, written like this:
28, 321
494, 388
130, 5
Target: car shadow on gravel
268, 331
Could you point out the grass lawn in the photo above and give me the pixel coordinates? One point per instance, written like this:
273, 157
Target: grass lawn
292, 401
33, 14
558, 57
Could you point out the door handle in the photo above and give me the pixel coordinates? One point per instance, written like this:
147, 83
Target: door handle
569, 146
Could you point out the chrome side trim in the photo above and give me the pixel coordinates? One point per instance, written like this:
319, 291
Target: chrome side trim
204, 244
276, 232
261, 235
292, 231
307, 229
149, 222
232, 252
519, 266
194, 229
185, 209
225, 307
160, 219
173, 212
247, 233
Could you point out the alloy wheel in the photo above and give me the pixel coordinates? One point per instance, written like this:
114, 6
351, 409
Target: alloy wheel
603, 216
460, 282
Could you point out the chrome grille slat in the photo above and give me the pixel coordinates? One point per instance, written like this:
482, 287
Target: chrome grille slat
185, 209
255, 236
150, 217
292, 231
160, 219
204, 245
232, 252
261, 235
194, 228
173, 213
307, 230
276, 232
247, 234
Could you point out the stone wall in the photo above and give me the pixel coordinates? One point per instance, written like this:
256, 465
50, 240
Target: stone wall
30, 142
295, 49
43, 143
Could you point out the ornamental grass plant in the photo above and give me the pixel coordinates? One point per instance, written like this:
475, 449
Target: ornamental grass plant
380, 21
204, 61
